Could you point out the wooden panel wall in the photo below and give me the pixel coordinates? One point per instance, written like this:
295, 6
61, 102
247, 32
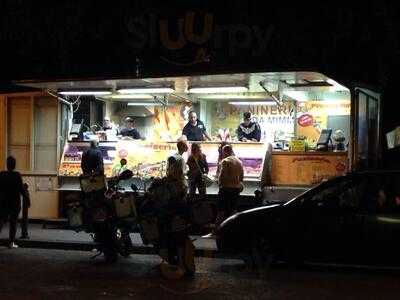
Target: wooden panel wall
44, 203
45, 141
23, 134
3, 131
20, 130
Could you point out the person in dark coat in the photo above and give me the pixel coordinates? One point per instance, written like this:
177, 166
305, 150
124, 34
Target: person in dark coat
92, 160
11, 190
248, 131
198, 166
92, 165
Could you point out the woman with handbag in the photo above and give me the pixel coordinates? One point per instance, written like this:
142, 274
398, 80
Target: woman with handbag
198, 168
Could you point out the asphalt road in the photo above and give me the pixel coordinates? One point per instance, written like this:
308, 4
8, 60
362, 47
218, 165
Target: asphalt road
56, 274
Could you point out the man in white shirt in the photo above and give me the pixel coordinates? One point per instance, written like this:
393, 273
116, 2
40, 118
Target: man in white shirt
182, 148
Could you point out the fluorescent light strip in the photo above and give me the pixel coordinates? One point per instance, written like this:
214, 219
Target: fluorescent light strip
132, 96
231, 97
269, 103
144, 104
76, 93
336, 86
161, 90
218, 89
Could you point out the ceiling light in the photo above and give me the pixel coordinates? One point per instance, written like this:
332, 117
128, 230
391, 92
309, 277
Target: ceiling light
144, 90
235, 96
218, 89
269, 103
85, 92
336, 86
315, 80
132, 96
308, 84
144, 104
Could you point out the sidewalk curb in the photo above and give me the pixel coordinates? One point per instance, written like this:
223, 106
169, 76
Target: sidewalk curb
89, 246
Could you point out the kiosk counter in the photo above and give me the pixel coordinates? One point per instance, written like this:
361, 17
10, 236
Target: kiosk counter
147, 159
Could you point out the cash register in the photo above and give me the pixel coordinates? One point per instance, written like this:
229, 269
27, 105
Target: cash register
76, 129
324, 140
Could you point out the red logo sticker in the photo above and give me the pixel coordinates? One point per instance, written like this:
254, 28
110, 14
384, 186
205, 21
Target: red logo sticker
122, 153
305, 120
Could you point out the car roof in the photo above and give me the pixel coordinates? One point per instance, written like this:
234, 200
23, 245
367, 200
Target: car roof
332, 180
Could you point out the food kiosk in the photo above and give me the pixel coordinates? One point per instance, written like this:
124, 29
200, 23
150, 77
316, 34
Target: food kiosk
294, 111
307, 122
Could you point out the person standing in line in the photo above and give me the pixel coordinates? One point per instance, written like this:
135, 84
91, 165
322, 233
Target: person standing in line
220, 157
176, 166
176, 181
26, 204
11, 189
230, 183
182, 148
92, 160
198, 166
92, 165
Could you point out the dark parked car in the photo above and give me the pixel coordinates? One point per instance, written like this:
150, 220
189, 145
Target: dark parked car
350, 219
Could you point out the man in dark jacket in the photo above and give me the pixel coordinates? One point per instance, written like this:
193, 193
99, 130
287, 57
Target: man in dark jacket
130, 130
92, 165
248, 131
11, 190
92, 160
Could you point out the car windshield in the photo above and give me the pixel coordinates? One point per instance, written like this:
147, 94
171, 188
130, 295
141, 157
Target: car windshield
337, 186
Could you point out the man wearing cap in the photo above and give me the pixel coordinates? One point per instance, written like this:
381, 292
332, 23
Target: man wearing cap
248, 130
195, 130
130, 129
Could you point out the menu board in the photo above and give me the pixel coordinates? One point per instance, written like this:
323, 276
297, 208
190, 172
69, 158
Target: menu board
148, 159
